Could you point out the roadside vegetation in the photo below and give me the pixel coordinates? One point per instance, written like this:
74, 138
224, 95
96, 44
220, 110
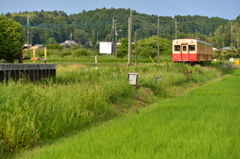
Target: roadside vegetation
201, 124
85, 94
11, 39
80, 96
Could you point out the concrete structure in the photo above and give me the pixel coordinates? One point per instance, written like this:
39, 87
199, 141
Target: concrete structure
33, 72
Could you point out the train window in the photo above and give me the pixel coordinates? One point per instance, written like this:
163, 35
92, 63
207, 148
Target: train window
191, 47
184, 48
176, 47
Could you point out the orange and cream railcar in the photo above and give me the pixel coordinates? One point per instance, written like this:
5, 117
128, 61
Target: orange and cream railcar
191, 51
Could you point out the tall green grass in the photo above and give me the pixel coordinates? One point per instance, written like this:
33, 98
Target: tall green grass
202, 124
80, 96
68, 56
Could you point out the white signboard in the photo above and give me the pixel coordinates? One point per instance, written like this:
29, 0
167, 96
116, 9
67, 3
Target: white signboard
231, 59
105, 47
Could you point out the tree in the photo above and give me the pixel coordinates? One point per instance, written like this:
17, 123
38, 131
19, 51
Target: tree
80, 36
11, 38
148, 47
51, 41
59, 25
55, 46
123, 48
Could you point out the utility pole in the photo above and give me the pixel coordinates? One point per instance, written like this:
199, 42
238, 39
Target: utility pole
231, 36
115, 47
237, 40
176, 29
97, 35
113, 26
115, 31
196, 34
116, 34
28, 29
130, 39
222, 49
71, 37
113, 34
136, 48
71, 41
158, 31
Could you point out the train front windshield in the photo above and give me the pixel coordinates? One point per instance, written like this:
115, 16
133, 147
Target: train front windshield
176, 47
184, 48
190, 48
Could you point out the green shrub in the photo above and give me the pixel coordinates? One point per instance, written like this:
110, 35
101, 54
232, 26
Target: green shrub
80, 52
75, 46
55, 46
65, 53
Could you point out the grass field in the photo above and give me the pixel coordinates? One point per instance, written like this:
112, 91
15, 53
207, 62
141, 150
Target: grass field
84, 94
202, 124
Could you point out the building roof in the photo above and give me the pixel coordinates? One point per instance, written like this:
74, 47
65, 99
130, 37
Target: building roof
69, 42
37, 46
228, 48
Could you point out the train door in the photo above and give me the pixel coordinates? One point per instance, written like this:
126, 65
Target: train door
184, 53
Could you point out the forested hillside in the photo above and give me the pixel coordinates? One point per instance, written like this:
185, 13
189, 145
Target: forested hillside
88, 27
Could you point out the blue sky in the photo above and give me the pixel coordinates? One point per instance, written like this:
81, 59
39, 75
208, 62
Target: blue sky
212, 8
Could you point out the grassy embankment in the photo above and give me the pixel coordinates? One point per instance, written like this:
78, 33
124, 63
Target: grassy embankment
202, 124
34, 113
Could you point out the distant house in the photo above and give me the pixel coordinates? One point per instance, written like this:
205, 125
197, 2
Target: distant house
228, 48
27, 46
68, 43
38, 46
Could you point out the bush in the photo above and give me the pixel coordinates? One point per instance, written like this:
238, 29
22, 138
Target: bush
55, 46
11, 39
122, 50
80, 52
65, 53
75, 46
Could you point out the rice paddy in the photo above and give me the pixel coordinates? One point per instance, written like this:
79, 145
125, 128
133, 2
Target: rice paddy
202, 124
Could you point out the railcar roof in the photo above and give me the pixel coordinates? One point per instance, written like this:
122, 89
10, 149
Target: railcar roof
193, 40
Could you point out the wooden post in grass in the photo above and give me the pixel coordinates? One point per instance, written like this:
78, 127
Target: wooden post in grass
45, 55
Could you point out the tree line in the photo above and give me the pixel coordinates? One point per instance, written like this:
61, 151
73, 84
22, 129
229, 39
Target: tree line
88, 27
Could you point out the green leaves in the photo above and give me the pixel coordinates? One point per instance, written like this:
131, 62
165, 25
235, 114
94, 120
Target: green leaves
123, 48
55, 46
146, 47
11, 39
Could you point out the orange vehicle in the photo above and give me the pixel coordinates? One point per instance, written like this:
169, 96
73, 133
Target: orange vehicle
191, 51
